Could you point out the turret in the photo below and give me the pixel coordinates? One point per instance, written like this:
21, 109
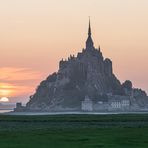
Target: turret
108, 67
62, 64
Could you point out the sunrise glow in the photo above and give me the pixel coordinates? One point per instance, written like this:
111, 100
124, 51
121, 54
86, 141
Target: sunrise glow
6, 89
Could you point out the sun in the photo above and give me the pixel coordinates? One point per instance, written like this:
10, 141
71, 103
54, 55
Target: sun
4, 99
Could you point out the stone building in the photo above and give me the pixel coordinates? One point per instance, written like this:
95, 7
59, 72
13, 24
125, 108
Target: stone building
122, 103
19, 107
87, 104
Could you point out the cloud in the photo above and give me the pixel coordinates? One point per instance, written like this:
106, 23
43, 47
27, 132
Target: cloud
16, 81
16, 74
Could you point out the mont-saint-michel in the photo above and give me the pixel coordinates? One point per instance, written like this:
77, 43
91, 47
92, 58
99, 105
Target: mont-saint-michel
85, 83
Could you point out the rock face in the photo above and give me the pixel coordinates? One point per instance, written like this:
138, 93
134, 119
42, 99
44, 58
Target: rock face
87, 74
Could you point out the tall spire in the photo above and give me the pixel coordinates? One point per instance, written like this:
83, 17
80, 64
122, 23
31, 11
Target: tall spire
89, 29
89, 42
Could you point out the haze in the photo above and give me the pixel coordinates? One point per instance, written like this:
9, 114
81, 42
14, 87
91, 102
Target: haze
36, 34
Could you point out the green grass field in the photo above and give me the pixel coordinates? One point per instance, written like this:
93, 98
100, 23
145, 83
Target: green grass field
74, 131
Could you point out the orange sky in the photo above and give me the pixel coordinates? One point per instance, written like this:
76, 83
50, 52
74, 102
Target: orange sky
36, 34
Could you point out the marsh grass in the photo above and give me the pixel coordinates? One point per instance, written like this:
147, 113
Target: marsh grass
74, 131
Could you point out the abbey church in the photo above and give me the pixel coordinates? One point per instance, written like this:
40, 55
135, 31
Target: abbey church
86, 83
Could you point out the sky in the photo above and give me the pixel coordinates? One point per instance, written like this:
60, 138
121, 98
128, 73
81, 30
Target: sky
36, 34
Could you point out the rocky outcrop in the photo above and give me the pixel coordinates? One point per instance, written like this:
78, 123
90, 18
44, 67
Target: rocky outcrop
86, 74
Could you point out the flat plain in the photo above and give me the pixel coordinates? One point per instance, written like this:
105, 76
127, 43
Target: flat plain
74, 131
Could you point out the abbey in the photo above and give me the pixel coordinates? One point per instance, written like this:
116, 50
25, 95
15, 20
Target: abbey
86, 83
